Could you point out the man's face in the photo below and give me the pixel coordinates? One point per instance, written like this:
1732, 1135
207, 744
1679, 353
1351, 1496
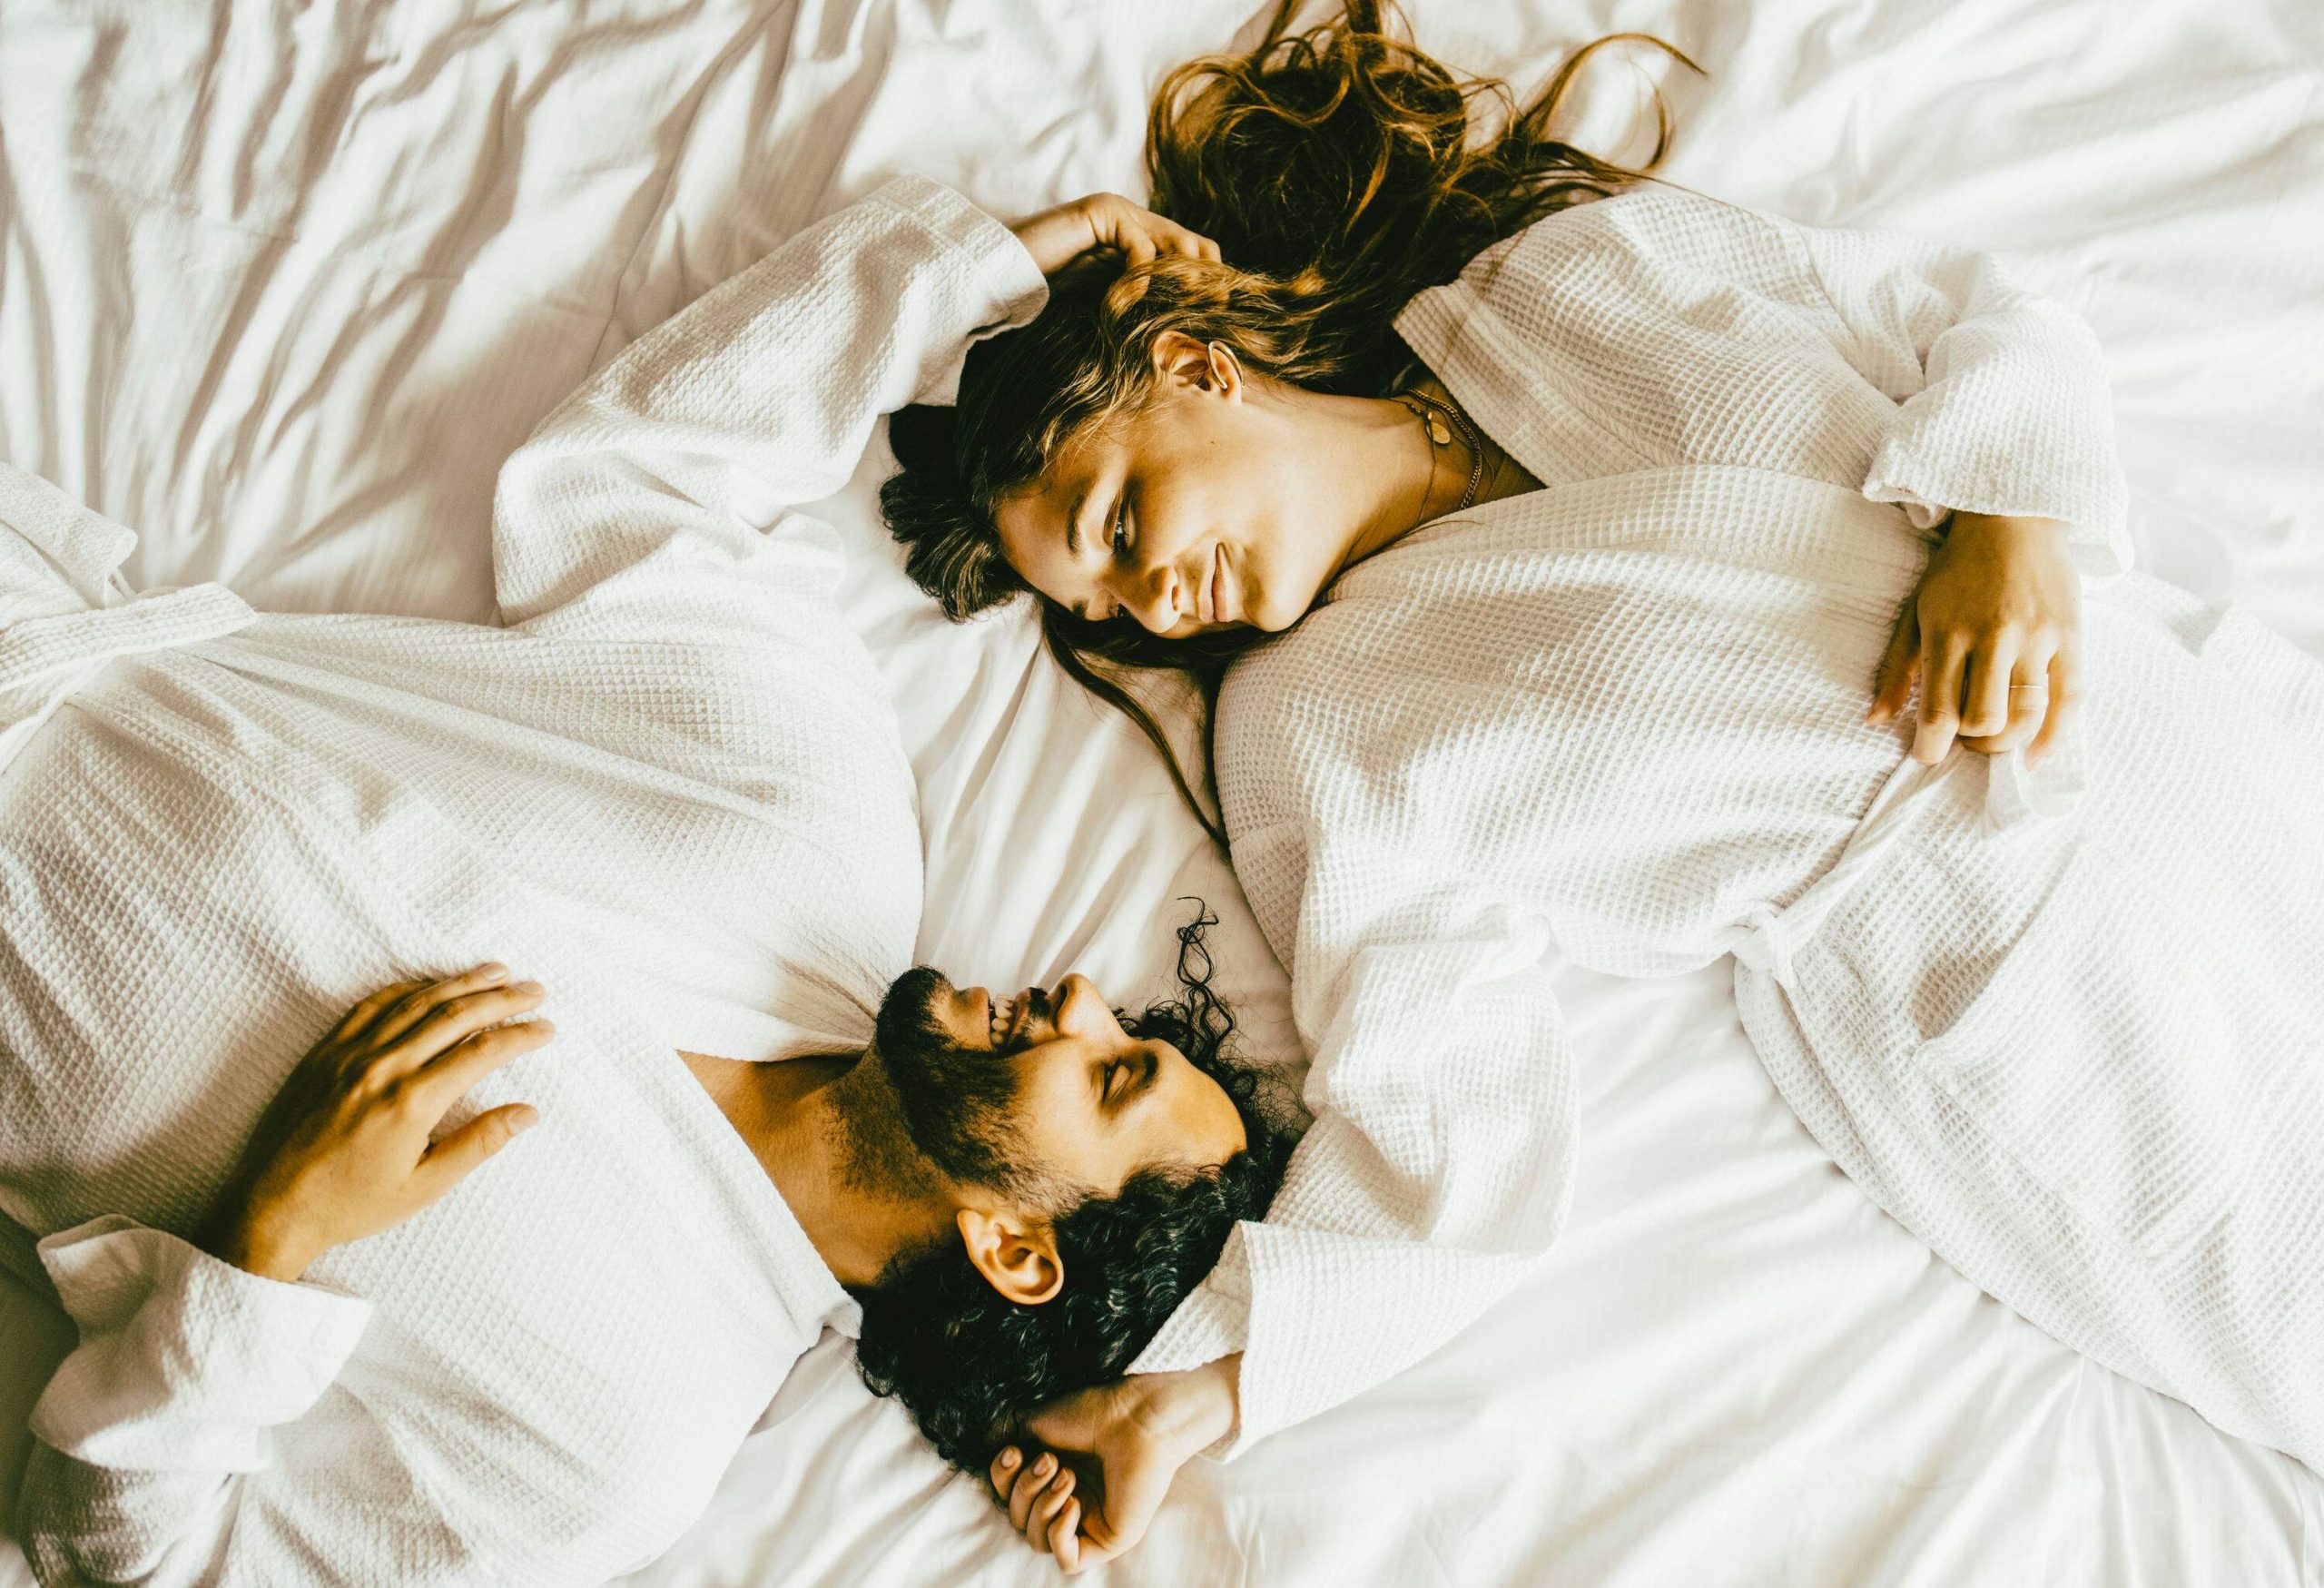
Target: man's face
1044, 1089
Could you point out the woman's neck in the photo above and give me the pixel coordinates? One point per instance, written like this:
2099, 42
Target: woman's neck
1408, 479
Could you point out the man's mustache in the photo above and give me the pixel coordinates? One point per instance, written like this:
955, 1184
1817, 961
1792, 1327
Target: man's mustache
1035, 1003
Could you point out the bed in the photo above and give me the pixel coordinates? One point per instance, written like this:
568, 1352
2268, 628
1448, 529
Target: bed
280, 286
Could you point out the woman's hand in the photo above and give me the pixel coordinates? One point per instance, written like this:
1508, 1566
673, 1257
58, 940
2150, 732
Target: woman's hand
1994, 634
1105, 225
343, 1150
1136, 1435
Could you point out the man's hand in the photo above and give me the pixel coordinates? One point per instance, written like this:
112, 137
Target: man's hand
343, 1152
1994, 635
1105, 225
1135, 1435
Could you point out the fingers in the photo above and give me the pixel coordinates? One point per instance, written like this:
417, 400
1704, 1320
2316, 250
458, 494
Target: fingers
1893, 686
450, 1160
1170, 237
444, 1081
1029, 1488
354, 1021
2065, 701
2029, 704
454, 1020
1139, 235
1940, 700
1047, 1507
1065, 1536
1004, 1472
415, 1006
1984, 685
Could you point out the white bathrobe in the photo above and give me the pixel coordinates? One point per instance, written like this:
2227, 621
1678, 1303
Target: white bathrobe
2067, 1025
672, 790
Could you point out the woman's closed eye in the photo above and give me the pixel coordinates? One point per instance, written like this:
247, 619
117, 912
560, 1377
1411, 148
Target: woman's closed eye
1121, 527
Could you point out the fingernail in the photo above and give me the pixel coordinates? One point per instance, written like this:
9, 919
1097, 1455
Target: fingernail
1041, 1468
528, 987
1009, 1458
495, 970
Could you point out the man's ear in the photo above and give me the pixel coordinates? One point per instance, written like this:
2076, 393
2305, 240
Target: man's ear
1018, 1256
1179, 360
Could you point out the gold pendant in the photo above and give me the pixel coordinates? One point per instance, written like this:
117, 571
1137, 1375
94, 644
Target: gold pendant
1436, 430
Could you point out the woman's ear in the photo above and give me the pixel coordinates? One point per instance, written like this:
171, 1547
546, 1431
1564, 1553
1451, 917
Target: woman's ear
1018, 1256
1181, 360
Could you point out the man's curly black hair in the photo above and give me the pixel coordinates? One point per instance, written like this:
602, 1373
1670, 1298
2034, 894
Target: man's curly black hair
971, 1366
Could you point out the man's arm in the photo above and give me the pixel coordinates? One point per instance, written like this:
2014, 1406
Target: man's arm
1136, 1435
155, 1436
1437, 1171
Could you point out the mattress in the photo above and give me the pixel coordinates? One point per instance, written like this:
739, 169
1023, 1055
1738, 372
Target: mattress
280, 285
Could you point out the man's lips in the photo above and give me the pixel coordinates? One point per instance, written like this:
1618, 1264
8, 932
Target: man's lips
1012, 1016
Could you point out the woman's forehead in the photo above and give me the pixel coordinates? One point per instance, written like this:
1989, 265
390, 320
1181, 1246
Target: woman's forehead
1035, 520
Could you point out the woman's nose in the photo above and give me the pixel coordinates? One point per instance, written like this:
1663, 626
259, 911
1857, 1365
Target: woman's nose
1153, 598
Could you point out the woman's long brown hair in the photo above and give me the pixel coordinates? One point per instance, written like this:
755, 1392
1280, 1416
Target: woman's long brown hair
1341, 171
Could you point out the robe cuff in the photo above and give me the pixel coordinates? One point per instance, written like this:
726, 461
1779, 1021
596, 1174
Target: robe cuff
1213, 1321
184, 1361
2094, 510
990, 250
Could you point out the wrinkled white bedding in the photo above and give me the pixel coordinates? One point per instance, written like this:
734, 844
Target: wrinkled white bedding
281, 286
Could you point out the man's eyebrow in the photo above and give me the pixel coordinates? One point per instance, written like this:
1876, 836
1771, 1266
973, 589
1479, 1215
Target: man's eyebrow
1073, 522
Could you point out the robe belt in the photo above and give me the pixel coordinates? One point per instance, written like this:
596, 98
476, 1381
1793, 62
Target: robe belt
42, 660
1769, 939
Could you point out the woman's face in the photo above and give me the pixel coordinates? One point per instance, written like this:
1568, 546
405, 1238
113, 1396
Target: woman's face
1208, 509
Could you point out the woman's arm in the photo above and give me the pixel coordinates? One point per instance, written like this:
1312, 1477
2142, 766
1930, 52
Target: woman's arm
629, 512
155, 1457
2004, 434
2004, 407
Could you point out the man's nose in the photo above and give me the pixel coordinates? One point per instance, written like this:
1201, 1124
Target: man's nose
1077, 1001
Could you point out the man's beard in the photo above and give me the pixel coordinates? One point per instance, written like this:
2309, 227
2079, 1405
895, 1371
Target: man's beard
921, 1102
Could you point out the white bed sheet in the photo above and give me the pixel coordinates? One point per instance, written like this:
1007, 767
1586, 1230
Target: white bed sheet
280, 286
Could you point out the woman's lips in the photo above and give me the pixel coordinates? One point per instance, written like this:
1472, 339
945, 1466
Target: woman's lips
1215, 590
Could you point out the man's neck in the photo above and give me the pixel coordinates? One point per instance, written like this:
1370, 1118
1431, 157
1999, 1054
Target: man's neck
786, 1113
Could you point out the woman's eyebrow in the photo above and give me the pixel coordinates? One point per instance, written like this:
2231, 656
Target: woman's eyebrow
1073, 522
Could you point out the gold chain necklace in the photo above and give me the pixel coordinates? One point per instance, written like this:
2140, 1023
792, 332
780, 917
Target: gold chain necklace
1434, 420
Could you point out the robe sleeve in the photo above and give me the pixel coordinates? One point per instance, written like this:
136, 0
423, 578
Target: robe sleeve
624, 515
1440, 1163
2003, 400
154, 1463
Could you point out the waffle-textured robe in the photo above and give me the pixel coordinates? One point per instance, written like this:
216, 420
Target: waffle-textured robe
672, 789
2067, 1025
